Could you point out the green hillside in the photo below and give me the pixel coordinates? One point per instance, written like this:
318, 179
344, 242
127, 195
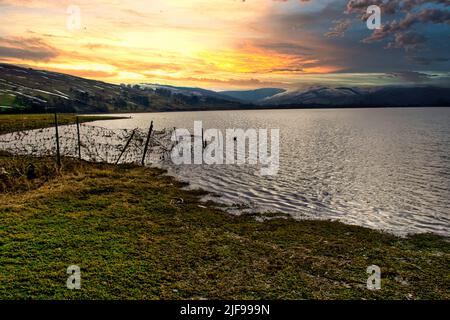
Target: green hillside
38, 91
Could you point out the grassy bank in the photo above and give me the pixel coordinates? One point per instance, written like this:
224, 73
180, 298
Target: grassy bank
17, 122
136, 234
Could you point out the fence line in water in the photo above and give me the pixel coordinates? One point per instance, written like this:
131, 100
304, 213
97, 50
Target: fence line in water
92, 143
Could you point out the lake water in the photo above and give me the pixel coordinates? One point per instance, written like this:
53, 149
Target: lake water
386, 169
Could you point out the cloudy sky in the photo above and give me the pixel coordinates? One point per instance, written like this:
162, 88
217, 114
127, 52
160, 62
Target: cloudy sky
223, 44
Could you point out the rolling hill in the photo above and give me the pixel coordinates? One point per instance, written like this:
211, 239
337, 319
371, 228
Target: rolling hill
253, 96
30, 90
388, 96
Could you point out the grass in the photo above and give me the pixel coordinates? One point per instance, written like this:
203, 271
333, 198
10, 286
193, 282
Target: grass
17, 122
7, 99
8, 102
133, 238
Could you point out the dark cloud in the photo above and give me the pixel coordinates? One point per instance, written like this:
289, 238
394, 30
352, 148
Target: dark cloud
410, 41
339, 29
411, 76
360, 6
434, 16
427, 61
34, 49
390, 7
399, 19
302, 21
414, 34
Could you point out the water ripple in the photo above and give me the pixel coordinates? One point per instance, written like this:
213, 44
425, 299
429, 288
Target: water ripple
386, 169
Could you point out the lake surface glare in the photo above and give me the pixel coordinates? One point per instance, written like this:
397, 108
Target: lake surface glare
384, 168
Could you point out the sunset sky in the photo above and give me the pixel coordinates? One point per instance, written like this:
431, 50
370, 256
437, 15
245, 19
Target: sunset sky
224, 44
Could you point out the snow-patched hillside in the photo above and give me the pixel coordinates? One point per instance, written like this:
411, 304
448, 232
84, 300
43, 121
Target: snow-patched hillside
354, 97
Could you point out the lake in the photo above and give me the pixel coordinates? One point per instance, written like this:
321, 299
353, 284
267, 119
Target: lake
386, 168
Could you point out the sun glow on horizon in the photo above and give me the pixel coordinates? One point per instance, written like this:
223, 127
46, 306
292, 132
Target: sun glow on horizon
215, 44
181, 41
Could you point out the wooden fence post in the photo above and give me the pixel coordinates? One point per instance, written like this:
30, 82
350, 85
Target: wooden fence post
204, 143
79, 138
126, 146
58, 155
146, 143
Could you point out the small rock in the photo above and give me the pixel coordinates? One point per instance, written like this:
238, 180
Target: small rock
177, 201
401, 281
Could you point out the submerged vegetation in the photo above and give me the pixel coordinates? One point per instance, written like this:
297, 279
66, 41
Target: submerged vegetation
137, 234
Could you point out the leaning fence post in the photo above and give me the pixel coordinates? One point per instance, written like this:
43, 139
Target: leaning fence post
79, 139
203, 140
126, 146
58, 155
146, 143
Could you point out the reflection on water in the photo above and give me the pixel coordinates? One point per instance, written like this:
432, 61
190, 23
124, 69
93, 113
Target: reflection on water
382, 168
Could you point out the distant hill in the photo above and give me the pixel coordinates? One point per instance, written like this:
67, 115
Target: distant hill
36, 91
253, 96
388, 96
30, 90
189, 91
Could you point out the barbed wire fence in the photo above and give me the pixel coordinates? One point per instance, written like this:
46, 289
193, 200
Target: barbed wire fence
92, 143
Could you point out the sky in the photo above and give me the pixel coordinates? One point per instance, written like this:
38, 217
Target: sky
231, 44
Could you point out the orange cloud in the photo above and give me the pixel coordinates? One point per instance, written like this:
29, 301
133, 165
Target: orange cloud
216, 43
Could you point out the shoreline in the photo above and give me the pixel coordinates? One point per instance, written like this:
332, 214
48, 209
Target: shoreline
235, 209
121, 218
